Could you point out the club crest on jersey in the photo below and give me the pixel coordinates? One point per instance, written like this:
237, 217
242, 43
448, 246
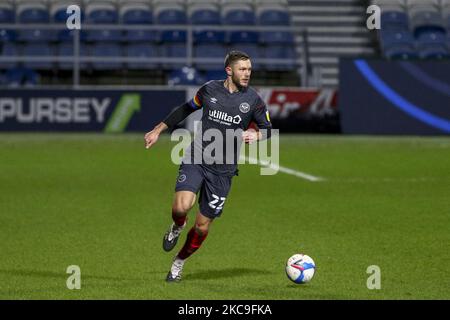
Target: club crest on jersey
244, 107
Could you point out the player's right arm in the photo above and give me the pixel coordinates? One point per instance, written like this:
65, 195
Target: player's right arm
152, 136
177, 115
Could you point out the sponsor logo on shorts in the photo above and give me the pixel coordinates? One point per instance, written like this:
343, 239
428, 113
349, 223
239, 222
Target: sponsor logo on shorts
182, 178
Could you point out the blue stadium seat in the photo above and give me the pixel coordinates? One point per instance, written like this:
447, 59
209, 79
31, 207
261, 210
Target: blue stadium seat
403, 38
235, 14
394, 15
431, 38
38, 50
31, 78
14, 76
66, 49
174, 50
273, 15
244, 37
394, 20
37, 35
102, 13
106, 50
7, 14
30, 12
141, 36
238, 14
434, 53
138, 13
253, 50
427, 21
141, 50
400, 52
7, 35
20, 76
171, 13
283, 53
209, 36
34, 13
206, 51
206, 14
67, 35
104, 35
187, 76
58, 13
432, 45
276, 37
8, 50
173, 36
425, 15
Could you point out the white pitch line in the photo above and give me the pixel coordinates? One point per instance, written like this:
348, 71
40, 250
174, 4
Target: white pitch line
286, 170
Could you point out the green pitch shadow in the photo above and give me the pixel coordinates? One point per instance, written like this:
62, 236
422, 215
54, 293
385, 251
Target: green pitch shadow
225, 273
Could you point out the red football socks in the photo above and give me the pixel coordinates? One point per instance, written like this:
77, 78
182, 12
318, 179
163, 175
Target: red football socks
193, 242
178, 220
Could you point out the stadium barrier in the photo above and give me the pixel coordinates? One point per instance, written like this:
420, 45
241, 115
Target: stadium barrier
112, 111
85, 110
394, 97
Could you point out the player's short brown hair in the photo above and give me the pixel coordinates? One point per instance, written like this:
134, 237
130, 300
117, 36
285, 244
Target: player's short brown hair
234, 56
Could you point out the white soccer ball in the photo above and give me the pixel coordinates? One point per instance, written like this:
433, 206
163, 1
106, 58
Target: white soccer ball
300, 268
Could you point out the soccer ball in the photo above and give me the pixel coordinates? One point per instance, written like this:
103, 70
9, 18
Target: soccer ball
300, 268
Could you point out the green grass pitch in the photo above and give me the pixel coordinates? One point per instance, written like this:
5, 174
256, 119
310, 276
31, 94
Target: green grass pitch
102, 202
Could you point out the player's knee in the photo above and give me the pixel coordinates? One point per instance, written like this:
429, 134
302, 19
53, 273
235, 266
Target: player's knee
201, 228
183, 203
181, 207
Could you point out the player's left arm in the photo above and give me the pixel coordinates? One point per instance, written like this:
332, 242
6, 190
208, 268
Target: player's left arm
262, 119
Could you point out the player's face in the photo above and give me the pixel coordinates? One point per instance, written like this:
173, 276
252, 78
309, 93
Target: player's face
241, 72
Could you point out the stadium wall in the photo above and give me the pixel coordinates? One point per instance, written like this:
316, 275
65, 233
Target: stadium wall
113, 111
394, 97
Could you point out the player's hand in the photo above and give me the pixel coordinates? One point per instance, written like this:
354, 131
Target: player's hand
151, 138
250, 136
